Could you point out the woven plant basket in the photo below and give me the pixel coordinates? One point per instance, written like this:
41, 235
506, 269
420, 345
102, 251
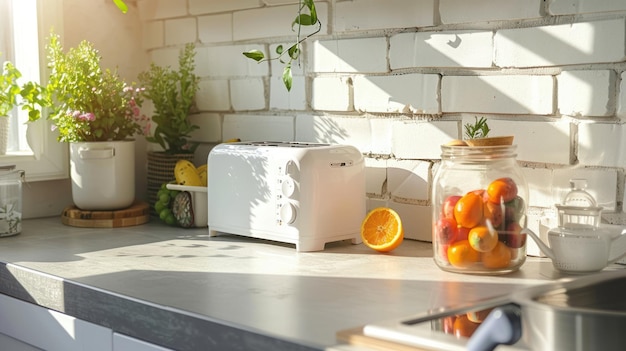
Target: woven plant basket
160, 171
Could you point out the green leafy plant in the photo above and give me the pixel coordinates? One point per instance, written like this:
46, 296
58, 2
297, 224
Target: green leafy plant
173, 94
29, 95
292, 52
90, 103
479, 129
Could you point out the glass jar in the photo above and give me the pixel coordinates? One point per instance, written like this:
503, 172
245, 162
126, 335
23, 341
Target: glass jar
10, 200
479, 199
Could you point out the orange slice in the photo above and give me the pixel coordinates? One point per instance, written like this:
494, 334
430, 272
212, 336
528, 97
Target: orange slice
382, 229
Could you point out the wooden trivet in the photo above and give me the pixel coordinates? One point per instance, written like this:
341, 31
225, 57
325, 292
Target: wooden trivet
137, 213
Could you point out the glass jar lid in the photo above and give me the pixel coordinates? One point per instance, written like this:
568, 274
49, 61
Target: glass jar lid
579, 209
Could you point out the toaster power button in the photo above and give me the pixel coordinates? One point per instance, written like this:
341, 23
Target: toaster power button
288, 213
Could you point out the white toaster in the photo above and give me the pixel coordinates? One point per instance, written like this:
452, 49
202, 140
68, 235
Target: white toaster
298, 193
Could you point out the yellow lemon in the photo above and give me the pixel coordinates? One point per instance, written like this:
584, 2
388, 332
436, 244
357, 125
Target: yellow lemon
186, 174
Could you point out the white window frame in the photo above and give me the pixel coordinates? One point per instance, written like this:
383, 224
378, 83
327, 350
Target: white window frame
49, 159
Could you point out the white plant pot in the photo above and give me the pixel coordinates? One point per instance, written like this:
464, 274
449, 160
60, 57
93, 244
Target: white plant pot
103, 174
4, 134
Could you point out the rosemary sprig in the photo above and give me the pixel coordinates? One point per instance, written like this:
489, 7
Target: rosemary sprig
479, 129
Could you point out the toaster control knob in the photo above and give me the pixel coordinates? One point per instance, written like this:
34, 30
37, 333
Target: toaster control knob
288, 213
288, 187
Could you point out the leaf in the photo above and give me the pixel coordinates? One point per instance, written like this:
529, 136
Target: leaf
311, 5
294, 52
279, 49
121, 5
287, 77
304, 20
255, 55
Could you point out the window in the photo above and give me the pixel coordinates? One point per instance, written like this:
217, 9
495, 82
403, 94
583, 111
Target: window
32, 147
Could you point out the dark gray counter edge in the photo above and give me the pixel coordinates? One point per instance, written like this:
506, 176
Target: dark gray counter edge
160, 325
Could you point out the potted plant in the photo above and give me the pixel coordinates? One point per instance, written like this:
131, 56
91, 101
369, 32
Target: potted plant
97, 113
29, 96
477, 134
172, 92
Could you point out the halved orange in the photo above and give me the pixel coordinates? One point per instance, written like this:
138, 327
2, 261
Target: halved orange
382, 229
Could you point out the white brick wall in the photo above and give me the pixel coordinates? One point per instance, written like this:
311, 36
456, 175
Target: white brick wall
585, 93
398, 78
442, 49
460, 11
201, 7
411, 93
498, 94
367, 55
357, 15
564, 7
563, 44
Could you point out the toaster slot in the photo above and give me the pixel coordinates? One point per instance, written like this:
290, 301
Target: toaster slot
341, 164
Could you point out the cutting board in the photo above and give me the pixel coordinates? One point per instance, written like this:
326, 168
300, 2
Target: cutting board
137, 213
355, 336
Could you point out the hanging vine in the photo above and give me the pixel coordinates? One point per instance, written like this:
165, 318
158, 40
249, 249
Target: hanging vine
307, 16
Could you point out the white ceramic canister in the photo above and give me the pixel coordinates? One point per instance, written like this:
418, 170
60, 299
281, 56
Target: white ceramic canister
103, 174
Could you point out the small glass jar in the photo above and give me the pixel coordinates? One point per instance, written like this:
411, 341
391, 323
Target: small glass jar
10, 200
479, 199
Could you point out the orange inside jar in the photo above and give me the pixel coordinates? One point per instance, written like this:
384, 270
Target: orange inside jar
479, 209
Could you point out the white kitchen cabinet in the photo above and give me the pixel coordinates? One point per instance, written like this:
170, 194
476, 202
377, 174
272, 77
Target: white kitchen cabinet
126, 343
50, 330
9, 344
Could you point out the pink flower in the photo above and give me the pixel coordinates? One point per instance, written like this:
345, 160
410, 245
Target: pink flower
87, 117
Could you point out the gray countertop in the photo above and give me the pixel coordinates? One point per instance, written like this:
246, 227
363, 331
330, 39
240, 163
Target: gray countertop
181, 289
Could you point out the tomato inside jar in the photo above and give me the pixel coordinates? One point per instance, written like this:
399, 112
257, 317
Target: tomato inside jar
479, 209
